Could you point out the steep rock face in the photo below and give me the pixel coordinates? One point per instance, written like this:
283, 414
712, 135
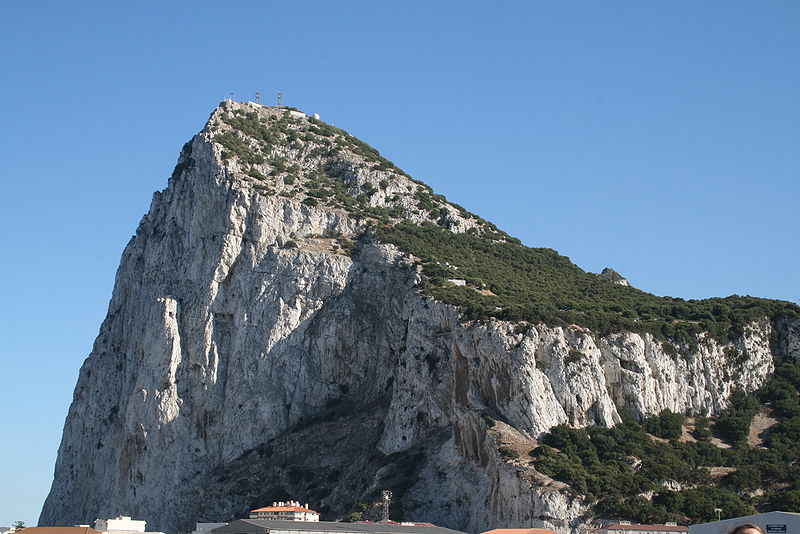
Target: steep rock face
243, 336
789, 338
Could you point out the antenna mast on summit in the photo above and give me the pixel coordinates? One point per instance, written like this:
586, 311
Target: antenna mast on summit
386, 496
280, 98
258, 97
231, 98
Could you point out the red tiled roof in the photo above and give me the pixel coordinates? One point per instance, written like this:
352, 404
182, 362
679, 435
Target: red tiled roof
663, 528
283, 509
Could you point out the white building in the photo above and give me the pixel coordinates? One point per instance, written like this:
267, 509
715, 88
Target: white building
288, 511
122, 525
771, 522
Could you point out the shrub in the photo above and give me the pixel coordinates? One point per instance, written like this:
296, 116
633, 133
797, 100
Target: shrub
319, 193
233, 143
353, 517
574, 356
261, 188
701, 431
508, 453
735, 421
347, 246
746, 477
667, 425
279, 165
786, 501
255, 174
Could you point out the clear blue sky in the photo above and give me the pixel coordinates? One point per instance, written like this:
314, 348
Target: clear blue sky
659, 138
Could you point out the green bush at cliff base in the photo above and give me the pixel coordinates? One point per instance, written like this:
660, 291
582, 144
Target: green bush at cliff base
616, 467
540, 285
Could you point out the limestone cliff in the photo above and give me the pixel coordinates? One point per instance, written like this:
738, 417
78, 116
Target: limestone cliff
262, 344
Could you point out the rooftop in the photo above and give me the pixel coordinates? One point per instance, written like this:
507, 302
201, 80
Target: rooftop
283, 509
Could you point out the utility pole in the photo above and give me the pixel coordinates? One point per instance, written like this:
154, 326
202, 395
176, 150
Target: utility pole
386, 496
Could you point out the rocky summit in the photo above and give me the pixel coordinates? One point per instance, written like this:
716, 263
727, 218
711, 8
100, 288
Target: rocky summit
296, 317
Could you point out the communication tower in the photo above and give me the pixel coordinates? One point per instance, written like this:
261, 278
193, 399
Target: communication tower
280, 98
258, 97
386, 496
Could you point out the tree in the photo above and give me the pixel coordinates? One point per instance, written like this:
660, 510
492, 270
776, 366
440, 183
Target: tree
746, 477
667, 424
701, 431
788, 501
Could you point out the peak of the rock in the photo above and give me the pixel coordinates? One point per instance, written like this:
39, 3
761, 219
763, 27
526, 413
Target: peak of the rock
284, 152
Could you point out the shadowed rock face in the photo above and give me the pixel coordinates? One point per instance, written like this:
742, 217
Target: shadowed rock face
249, 356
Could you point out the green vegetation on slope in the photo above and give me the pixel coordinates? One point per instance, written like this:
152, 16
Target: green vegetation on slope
269, 132
616, 466
518, 283
325, 159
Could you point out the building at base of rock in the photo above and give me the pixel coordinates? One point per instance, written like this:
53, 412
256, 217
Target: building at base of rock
122, 524
285, 511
